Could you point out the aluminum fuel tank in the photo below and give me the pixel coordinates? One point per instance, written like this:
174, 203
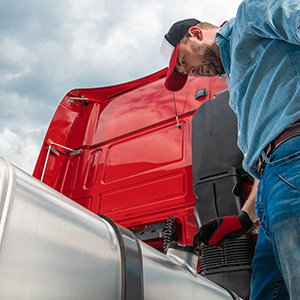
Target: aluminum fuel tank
52, 248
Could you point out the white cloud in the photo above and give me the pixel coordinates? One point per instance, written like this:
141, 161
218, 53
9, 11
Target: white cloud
20, 149
50, 47
89, 18
19, 58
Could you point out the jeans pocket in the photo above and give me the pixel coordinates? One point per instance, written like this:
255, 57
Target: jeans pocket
286, 169
287, 182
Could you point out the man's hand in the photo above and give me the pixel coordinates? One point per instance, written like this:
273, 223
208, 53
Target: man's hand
231, 227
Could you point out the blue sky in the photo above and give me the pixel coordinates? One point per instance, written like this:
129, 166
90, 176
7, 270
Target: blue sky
50, 47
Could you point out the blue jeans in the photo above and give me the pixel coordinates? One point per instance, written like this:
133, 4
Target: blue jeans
276, 263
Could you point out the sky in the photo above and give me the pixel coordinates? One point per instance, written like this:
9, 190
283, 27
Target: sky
49, 47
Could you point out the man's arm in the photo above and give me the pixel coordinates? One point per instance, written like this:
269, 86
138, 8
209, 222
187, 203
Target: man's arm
229, 227
249, 206
277, 19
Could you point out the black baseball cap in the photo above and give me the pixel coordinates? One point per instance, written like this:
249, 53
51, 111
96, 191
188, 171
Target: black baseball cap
169, 49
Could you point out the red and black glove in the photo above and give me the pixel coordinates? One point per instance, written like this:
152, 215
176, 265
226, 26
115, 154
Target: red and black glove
214, 231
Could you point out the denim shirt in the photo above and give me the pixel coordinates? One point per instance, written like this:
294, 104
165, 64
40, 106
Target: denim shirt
261, 56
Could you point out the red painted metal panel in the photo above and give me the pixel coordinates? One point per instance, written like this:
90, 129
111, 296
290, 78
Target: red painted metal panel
144, 152
131, 161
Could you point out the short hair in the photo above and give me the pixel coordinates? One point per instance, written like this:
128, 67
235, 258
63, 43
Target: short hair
201, 25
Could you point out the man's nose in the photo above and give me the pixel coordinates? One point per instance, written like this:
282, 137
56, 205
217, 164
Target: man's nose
181, 70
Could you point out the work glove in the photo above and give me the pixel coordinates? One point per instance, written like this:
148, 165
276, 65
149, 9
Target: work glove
231, 227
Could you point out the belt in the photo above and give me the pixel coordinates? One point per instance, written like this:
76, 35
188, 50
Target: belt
292, 131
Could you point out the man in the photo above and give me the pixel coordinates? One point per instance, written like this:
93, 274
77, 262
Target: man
259, 53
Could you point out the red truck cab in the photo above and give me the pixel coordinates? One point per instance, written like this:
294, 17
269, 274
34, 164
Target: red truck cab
123, 154
156, 162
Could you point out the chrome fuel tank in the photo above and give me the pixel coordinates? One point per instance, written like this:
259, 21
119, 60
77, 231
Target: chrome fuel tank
52, 248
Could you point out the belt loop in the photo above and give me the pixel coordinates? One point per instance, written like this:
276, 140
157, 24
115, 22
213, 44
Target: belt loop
265, 159
261, 169
260, 165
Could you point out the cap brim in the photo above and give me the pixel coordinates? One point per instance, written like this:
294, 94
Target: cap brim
174, 81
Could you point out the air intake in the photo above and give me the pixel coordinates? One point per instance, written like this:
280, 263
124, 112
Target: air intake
230, 266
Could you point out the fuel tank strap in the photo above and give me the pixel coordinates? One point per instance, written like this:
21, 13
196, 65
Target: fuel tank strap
132, 264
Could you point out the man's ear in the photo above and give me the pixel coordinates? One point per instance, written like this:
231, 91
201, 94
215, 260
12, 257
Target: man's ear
196, 32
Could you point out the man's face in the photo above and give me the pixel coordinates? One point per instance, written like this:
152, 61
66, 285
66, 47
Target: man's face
197, 58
